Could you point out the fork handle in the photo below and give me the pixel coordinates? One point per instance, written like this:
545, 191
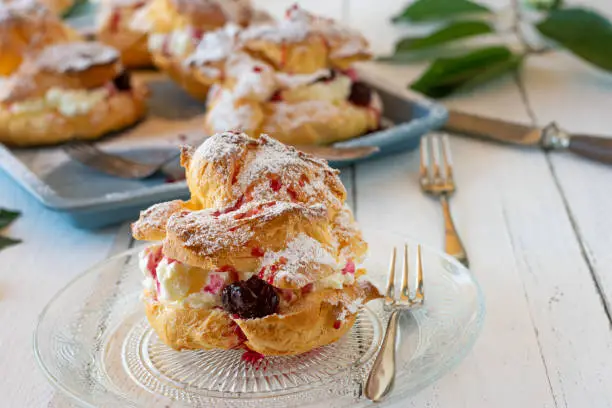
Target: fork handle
382, 376
453, 245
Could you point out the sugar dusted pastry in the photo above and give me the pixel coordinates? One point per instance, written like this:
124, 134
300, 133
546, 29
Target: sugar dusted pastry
59, 7
263, 256
114, 28
292, 80
27, 26
175, 27
75, 90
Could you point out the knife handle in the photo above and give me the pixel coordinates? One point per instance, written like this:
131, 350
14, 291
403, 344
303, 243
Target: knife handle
592, 147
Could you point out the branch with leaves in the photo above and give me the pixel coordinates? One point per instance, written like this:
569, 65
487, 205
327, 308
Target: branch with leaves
584, 32
6, 218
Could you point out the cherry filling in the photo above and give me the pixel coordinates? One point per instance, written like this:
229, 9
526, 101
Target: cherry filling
114, 21
349, 268
123, 81
250, 299
361, 94
153, 261
252, 357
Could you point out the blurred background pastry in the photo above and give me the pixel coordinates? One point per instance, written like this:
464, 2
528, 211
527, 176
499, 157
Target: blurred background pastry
114, 28
27, 26
76, 90
264, 256
59, 7
175, 27
293, 80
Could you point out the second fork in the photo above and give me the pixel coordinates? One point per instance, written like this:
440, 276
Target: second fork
436, 178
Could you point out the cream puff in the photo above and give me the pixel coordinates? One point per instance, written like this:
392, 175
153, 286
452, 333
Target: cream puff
264, 256
114, 28
76, 90
26, 27
292, 80
175, 27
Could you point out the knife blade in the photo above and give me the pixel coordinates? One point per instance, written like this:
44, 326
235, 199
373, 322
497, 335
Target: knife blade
339, 154
550, 137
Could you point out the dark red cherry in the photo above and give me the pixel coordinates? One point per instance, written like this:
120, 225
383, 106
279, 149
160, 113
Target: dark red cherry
123, 81
250, 299
361, 94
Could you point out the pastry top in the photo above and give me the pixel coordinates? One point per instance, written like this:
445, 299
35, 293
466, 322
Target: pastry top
303, 43
231, 168
164, 16
27, 26
74, 65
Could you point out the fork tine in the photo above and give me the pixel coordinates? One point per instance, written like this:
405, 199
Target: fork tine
419, 296
447, 158
405, 290
424, 151
435, 150
390, 294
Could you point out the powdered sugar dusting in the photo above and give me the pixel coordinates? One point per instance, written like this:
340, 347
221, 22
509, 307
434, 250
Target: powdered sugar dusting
207, 232
76, 56
299, 24
253, 79
215, 46
224, 114
297, 258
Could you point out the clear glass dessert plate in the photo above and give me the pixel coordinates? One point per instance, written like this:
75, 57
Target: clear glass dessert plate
93, 343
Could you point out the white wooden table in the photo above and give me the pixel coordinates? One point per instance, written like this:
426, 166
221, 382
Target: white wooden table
537, 228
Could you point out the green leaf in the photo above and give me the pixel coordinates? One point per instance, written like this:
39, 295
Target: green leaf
427, 10
80, 8
446, 75
451, 32
543, 5
6, 242
585, 33
7, 217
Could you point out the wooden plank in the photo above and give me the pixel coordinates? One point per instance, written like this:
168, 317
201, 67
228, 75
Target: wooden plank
561, 88
53, 252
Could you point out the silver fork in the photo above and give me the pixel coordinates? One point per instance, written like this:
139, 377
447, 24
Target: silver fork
382, 376
114, 165
441, 184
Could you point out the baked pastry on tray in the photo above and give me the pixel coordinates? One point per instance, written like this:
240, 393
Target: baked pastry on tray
76, 90
292, 80
175, 27
114, 27
263, 256
27, 26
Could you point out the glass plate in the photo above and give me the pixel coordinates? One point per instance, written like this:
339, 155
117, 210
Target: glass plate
93, 343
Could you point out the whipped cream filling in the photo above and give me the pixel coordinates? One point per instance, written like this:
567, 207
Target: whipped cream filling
69, 102
178, 284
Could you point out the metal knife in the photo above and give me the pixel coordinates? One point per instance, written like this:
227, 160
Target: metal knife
550, 137
339, 154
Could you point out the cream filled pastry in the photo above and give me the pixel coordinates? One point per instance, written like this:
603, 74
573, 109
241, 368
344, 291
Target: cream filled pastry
175, 27
290, 79
264, 256
114, 28
26, 27
76, 90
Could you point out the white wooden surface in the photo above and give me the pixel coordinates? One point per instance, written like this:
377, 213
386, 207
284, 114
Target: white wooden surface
537, 228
